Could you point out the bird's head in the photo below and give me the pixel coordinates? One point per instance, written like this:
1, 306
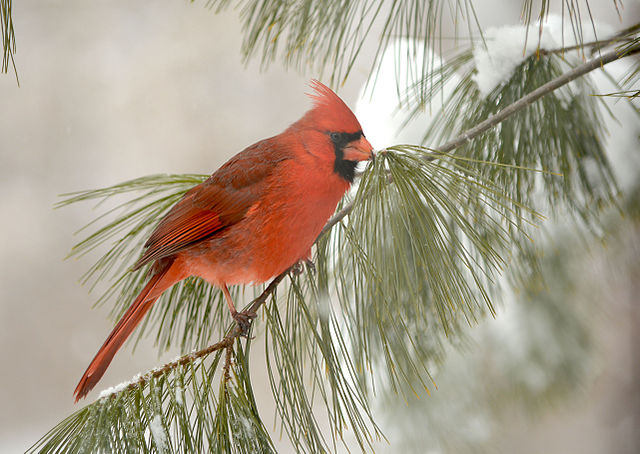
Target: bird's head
334, 125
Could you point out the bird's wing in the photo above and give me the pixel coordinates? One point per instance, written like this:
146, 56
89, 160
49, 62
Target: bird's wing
218, 203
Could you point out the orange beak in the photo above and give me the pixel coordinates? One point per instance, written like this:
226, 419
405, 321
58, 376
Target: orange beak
359, 150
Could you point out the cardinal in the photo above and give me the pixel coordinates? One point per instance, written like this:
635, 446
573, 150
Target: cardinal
254, 218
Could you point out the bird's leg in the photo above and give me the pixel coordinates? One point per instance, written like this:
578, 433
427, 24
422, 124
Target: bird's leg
243, 319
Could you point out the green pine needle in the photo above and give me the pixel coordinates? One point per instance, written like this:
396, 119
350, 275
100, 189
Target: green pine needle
577, 177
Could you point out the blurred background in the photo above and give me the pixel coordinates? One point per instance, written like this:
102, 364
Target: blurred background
110, 91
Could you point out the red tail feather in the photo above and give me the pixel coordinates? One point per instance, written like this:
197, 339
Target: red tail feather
159, 282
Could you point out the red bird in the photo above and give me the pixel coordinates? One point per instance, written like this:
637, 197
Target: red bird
255, 217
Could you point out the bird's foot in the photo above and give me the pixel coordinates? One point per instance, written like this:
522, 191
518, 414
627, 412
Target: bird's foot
311, 267
243, 320
298, 268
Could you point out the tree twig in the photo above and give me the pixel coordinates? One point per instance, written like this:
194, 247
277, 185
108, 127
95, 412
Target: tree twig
227, 363
622, 37
594, 46
227, 343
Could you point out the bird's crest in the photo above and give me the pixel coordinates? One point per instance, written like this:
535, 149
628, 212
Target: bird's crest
329, 111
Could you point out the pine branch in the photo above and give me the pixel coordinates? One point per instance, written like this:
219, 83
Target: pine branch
329, 36
625, 36
184, 360
8, 38
630, 94
492, 122
573, 9
538, 93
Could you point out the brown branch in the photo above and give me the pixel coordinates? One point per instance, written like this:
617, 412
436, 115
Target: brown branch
227, 363
227, 343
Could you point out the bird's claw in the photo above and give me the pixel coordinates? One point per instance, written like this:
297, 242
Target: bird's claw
311, 267
243, 320
298, 268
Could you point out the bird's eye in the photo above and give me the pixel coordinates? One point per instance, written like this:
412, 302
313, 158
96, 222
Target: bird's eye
335, 136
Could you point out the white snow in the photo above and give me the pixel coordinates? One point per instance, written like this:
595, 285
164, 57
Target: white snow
119, 387
564, 36
623, 129
179, 394
158, 433
504, 51
507, 46
247, 425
